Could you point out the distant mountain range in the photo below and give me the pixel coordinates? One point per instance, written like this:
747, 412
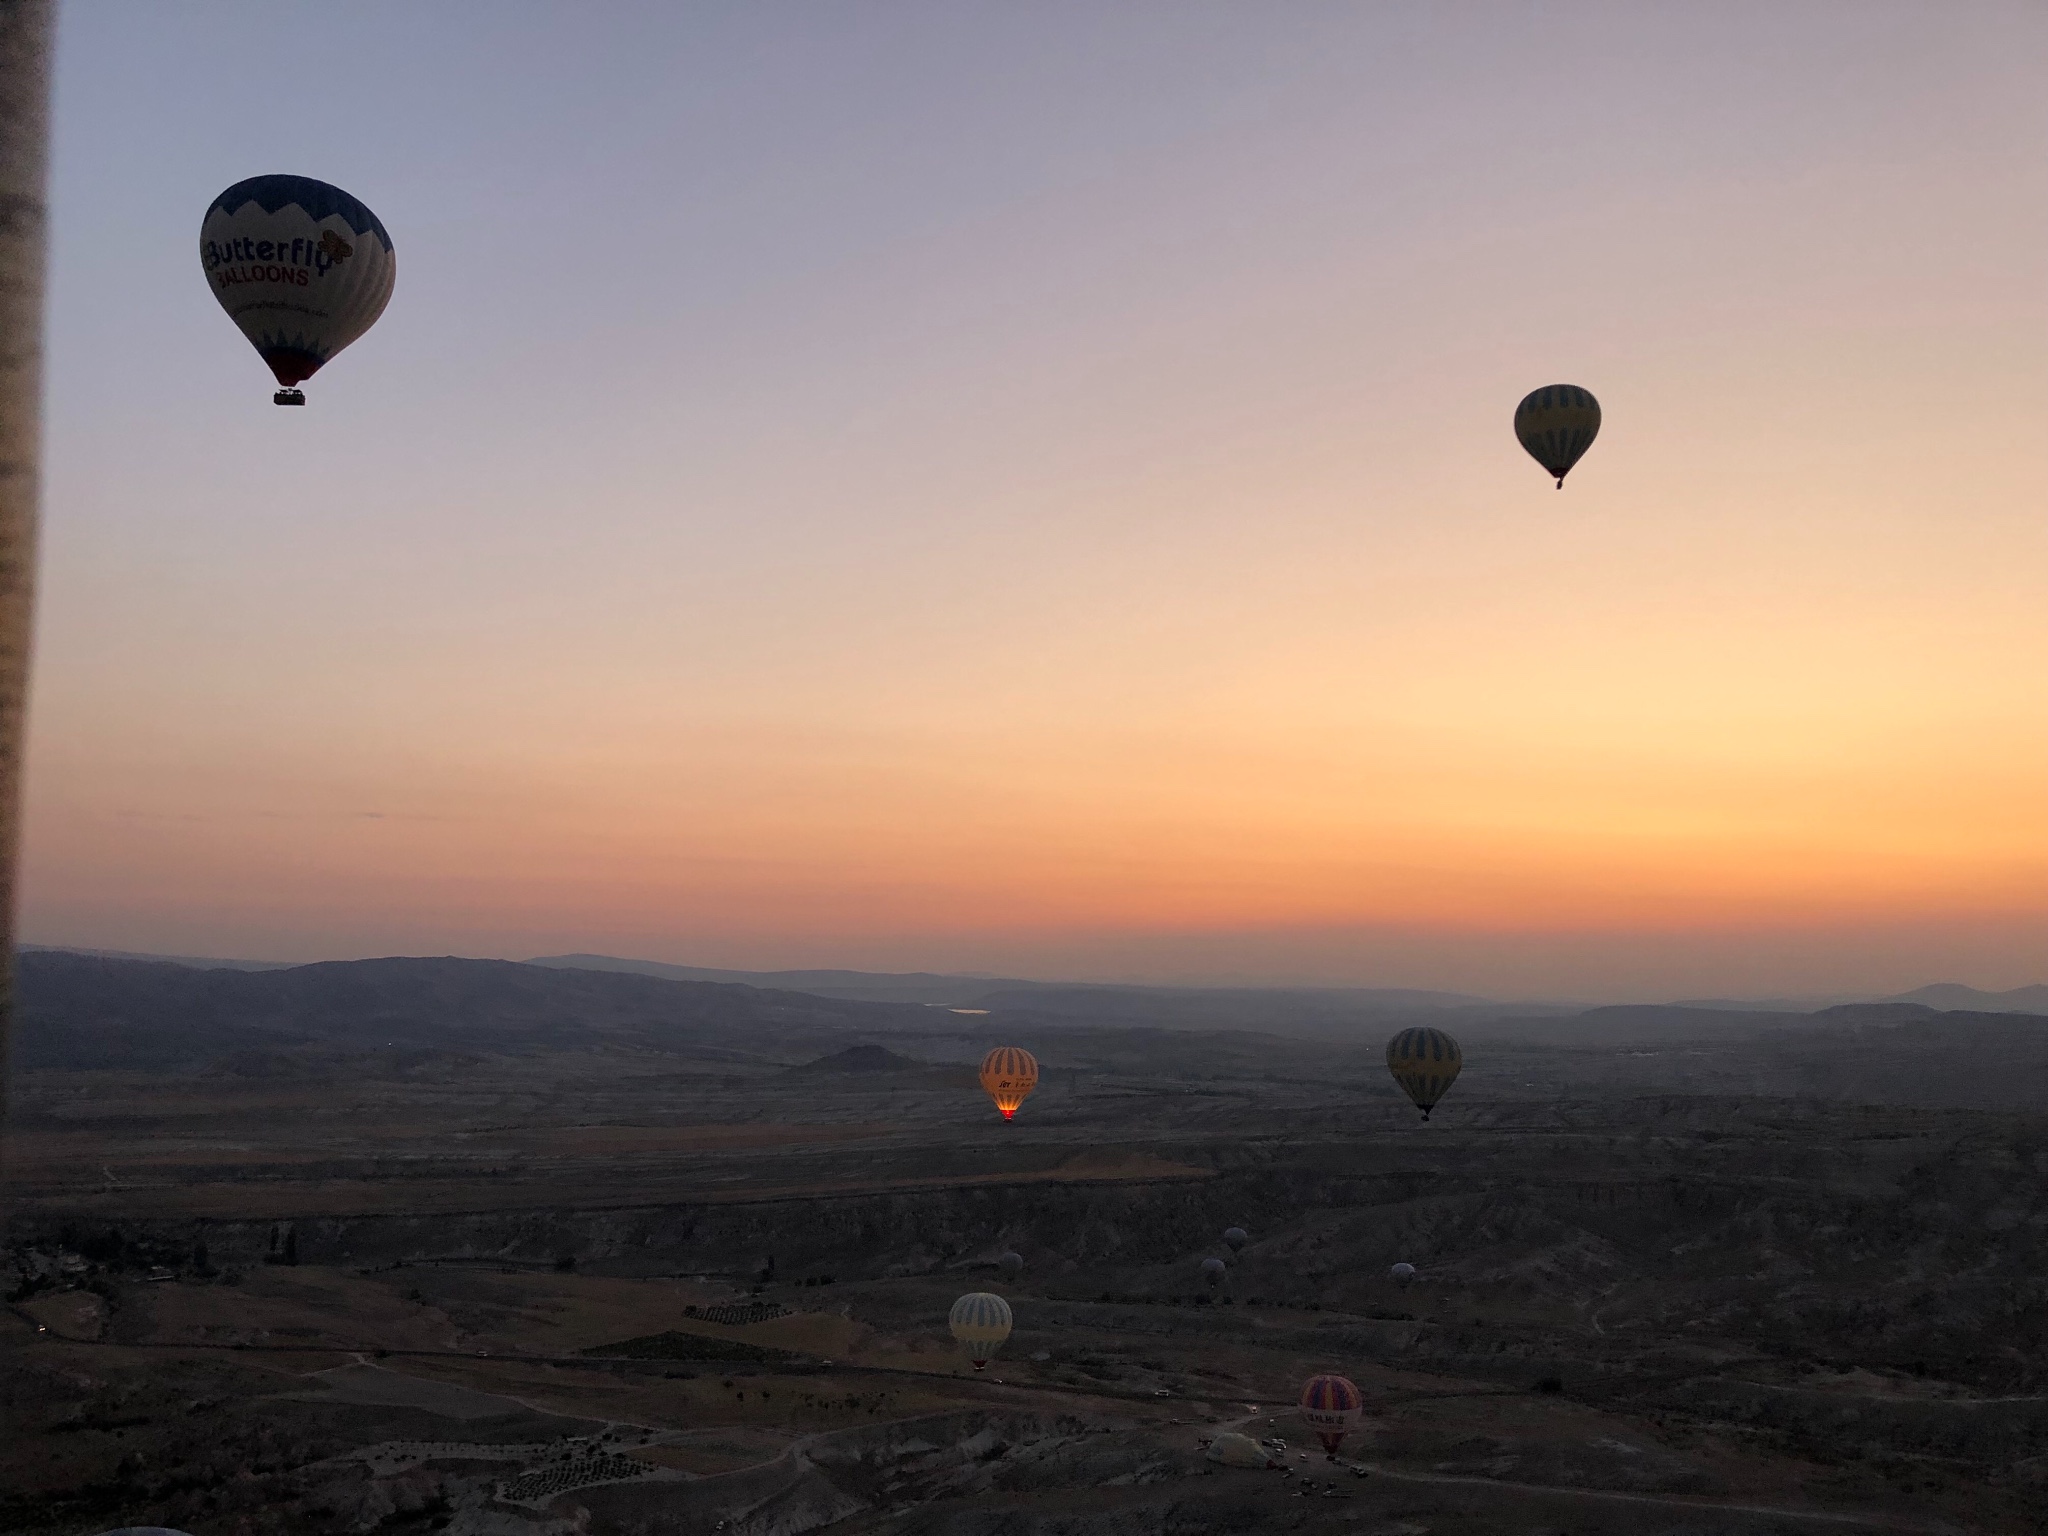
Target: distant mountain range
89, 1011
991, 992
1332, 1012
82, 1012
969, 991
194, 962
1953, 997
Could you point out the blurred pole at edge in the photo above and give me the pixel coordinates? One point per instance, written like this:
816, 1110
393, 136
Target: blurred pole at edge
25, 28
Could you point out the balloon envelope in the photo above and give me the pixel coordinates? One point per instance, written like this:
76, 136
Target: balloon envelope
301, 267
1557, 424
1236, 1238
1332, 1407
1012, 1262
1403, 1273
980, 1321
1213, 1270
1425, 1062
1008, 1074
1235, 1450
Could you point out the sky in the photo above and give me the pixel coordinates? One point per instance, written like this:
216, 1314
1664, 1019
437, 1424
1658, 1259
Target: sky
1030, 489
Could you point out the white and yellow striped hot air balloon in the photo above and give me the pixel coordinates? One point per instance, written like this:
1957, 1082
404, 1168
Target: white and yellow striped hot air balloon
980, 1321
1008, 1074
1557, 424
1425, 1062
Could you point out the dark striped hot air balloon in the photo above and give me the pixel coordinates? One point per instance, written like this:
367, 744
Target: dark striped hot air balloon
1008, 1074
1332, 1407
1425, 1063
1557, 424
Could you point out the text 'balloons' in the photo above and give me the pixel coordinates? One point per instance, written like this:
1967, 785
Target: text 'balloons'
300, 266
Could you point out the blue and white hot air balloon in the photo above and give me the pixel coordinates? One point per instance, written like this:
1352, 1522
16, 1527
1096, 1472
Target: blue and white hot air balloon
301, 267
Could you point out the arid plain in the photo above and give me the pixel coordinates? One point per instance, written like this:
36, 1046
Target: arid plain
485, 1248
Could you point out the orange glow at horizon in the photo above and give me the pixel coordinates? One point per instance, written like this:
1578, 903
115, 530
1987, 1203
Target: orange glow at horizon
1099, 545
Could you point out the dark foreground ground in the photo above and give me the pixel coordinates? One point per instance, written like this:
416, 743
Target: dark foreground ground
476, 1285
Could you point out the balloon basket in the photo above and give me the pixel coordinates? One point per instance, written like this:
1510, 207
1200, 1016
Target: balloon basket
289, 397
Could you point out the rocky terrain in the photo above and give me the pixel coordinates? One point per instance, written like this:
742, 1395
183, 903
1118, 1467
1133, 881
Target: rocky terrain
445, 1245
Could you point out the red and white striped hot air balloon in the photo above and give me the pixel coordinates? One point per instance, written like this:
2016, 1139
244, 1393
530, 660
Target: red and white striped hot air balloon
1332, 1407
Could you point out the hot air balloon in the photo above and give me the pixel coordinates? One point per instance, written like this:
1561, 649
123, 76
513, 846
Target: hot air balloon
1332, 1407
1008, 1074
1235, 1238
1011, 1262
1557, 424
980, 1321
301, 267
1425, 1063
1235, 1450
1213, 1271
1404, 1274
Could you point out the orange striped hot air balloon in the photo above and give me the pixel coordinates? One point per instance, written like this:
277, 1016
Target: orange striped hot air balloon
1008, 1074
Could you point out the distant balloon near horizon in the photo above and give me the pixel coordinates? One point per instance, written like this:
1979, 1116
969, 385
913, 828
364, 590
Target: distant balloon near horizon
302, 267
1404, 1274
1425, 1062
1557, 424
980, 1321
1213, 1271
1008, 1076
1235, 1238
1011, 1262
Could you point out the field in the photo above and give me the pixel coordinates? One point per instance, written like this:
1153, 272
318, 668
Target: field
468, 1285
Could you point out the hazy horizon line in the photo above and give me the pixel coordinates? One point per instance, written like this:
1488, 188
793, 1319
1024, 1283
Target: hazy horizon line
1789, 1000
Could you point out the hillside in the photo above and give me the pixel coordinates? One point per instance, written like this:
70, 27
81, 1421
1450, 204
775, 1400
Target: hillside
80, 1011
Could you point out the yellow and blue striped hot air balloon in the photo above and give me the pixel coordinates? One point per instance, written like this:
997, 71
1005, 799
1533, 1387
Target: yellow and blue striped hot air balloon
980, 1321
1008, 1074
1425, 1063
1557, 424
1332, 1407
